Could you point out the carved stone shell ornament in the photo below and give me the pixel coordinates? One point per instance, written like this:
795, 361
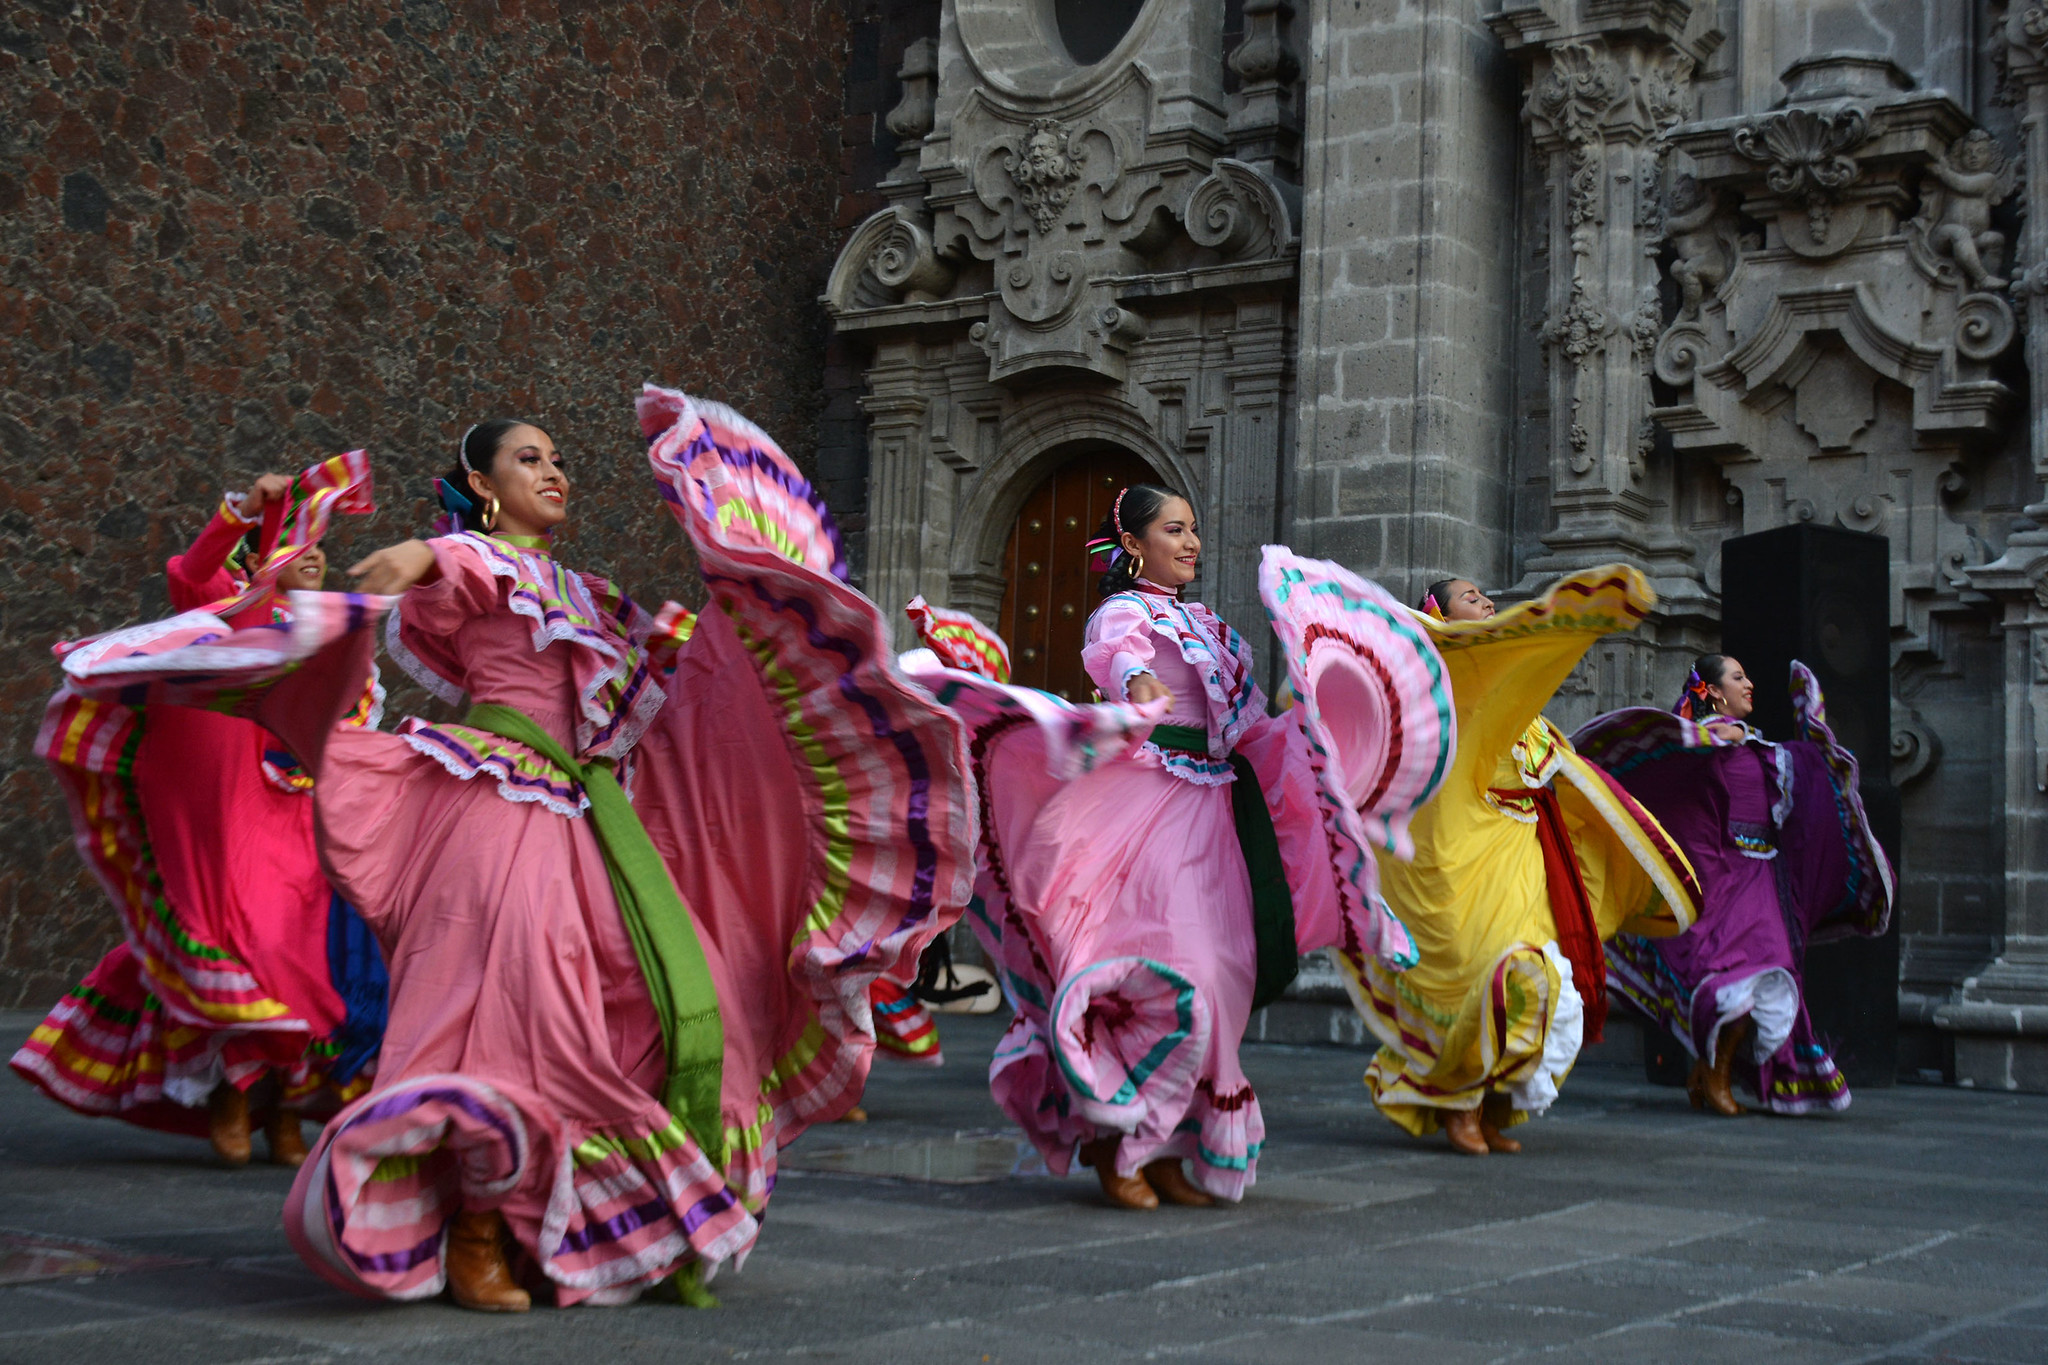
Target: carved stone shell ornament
1807, 152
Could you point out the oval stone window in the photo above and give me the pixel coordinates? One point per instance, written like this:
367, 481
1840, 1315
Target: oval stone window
1091, 29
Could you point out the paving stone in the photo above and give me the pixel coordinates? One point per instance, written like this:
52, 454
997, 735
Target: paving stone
1859, 1327
1359, 1244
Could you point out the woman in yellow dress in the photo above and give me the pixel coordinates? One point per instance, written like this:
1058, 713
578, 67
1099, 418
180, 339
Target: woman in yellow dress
1526, 860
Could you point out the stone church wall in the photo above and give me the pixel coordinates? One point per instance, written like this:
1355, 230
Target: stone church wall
239, 236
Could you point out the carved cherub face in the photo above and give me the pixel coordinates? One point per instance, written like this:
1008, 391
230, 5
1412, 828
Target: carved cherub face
1685, 194
1974, 151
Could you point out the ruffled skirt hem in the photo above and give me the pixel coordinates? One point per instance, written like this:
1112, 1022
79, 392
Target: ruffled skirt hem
621, 1210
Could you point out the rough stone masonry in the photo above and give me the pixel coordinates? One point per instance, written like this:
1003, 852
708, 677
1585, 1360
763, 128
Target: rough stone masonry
238, 236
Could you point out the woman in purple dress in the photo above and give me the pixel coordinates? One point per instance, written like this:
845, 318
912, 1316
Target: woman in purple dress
1785, 857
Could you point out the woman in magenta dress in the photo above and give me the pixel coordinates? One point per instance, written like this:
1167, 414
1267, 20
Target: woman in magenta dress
1140, 894
634, 900
1785, 857
242, 975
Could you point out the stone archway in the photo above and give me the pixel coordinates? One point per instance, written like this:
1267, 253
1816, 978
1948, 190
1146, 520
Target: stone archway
1049, 589
1038, 438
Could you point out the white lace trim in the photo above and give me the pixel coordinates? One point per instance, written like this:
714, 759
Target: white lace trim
1782, 807
1771, 1000
411, 664
505, 789
592, 715
378, 696
1561, 1041
1175, 764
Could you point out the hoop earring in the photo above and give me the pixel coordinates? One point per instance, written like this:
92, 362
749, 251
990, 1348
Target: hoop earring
491, 514
1137, 567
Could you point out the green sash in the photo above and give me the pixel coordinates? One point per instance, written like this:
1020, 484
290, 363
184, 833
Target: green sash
1272, 902
671, 959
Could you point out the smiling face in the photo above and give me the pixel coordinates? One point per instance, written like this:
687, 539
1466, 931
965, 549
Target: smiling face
308, 571
1467, 602
1169, 546
527, 478
1734, 696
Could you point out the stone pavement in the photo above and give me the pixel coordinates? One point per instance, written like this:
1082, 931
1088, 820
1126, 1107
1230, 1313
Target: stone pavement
1910, 1229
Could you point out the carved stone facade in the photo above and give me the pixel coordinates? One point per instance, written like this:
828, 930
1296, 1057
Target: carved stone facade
1077, 257
1504, 290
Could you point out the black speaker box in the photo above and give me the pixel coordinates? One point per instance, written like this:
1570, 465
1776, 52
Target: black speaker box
1821, 595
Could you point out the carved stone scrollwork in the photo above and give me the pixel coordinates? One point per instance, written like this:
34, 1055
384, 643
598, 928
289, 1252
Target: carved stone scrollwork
1915, 746
1808, 152
1680, 351
905, 261
1666, 89
889, 258
1578, 334
1984, 326
1240, 213
1581, 87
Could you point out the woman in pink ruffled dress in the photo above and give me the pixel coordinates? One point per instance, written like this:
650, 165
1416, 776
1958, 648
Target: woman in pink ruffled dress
634, 900
1141, 910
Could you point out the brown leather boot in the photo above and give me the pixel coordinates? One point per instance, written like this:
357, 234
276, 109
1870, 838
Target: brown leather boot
1696, 1084
478, 1276
1124, 1191
1461, 1126
287, 1140
1171, 1183
227, 1123
1494, 1114
1715, 1093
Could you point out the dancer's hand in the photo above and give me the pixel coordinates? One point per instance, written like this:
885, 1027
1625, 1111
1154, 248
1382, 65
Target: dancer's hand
267, 489
394, 568
1721, 729
1144, 687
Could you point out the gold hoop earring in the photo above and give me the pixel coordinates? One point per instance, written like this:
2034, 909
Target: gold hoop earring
1137, 567
491, 514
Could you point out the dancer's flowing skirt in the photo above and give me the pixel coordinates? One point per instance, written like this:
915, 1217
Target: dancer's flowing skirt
1786, 857
812, 809
238, 961
1493, 1004
1117, 900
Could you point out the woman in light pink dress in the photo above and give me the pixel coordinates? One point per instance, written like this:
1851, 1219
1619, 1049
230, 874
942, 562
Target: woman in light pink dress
633, 901
1140, 910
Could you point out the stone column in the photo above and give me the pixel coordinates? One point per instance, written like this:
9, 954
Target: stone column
899, 460
1606, 81
1404, 396
2000, 1016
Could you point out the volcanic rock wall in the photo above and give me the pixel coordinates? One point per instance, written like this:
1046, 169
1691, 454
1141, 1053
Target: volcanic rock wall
238, 236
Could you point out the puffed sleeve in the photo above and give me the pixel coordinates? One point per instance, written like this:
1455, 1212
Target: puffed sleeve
1119, 646
422, 636
200, 576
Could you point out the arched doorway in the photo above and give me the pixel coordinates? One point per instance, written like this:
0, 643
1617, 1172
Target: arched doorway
1049, 591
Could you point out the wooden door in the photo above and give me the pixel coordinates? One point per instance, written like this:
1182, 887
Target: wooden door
1050, 591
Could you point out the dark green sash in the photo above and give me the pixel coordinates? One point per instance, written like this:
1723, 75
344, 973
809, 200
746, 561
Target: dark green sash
1272, 902
671, 959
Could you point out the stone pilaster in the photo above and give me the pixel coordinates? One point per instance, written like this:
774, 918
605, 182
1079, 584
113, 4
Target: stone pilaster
2000, 1016
1606, 81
